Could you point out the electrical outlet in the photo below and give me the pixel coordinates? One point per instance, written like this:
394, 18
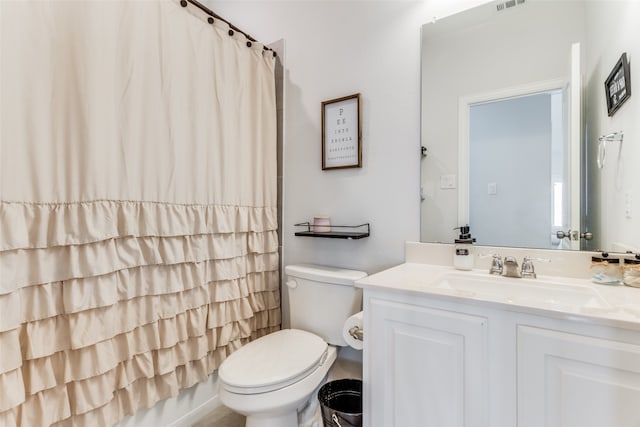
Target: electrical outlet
492, 189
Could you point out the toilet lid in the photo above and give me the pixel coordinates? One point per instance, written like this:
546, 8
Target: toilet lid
272, 362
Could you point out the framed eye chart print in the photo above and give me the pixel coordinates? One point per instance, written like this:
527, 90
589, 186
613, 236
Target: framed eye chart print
342, 133
618, 85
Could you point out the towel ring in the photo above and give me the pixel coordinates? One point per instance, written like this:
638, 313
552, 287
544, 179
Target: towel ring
602, 146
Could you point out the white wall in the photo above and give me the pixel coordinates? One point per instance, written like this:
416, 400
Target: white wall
337, 48
615, 29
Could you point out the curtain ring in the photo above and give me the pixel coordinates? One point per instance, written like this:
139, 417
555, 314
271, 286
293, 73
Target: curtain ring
183, 3
230, 32
210, 20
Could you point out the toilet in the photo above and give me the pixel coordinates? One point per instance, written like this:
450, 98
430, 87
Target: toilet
271, 378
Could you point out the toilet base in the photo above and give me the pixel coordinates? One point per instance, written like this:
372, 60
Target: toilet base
289, 419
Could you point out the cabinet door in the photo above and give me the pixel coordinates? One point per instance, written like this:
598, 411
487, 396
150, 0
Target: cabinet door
428, 367
569, 380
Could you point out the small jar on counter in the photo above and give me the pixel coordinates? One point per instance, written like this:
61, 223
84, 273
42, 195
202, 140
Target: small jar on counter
631, 272
605, 270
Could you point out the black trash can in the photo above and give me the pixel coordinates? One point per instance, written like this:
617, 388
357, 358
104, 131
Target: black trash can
341, 403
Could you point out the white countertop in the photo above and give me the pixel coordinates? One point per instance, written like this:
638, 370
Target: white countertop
574, 298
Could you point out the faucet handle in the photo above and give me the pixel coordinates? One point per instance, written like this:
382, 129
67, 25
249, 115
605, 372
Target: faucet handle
496, 265
527, 268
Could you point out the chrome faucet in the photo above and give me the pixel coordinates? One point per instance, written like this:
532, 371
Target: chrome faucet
510, 268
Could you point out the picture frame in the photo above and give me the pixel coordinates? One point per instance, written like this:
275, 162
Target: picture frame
617, 86
342, 133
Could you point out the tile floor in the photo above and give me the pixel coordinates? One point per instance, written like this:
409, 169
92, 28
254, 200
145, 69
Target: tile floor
221, 417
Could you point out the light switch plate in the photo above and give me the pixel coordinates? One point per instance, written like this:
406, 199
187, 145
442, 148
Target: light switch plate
492, 188
447, 182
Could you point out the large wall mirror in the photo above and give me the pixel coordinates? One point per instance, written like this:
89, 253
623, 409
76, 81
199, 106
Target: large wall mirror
513, 105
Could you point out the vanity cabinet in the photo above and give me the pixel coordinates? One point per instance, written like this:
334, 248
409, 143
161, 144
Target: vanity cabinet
431, 361
428, 366
570, 380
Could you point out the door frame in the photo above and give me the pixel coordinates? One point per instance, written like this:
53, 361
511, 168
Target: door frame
464, 108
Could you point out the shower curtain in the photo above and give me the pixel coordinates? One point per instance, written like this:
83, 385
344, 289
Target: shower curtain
138, 233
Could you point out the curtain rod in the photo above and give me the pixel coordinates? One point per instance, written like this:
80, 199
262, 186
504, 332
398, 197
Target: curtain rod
212, 15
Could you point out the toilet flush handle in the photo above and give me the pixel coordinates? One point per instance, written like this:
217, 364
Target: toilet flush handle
292, 284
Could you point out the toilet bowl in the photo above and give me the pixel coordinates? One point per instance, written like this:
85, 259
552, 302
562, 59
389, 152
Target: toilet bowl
269, 379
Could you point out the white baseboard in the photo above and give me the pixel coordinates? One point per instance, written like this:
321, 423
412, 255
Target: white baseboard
198, 413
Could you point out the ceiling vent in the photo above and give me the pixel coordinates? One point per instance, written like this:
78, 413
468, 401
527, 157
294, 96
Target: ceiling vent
508, 4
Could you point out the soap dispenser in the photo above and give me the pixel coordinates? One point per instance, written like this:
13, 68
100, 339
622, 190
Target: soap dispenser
463, 256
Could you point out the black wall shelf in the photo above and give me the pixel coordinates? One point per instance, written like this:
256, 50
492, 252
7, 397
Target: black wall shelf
336, 232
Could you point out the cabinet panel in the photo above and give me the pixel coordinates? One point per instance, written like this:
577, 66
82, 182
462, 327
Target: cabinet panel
430, 367
569, 380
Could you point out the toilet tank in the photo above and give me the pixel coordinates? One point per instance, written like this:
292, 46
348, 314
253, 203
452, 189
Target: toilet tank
322, 298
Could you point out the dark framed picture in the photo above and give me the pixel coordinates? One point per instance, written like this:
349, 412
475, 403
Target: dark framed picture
617, 87
342, 133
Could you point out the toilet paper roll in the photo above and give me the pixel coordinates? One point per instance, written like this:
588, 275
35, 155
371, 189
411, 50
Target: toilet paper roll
354, 321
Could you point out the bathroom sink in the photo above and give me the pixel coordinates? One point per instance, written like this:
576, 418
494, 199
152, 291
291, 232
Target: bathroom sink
537, 292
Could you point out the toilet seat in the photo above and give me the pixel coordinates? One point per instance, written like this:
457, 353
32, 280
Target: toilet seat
272, 362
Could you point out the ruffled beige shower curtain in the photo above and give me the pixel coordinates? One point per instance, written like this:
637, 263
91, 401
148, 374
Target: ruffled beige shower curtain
138, 243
